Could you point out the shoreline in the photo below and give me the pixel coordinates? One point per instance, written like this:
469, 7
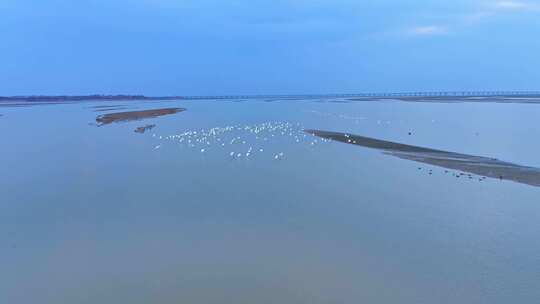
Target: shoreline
515, 96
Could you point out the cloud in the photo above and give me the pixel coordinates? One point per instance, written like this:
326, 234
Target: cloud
429, 30
498, 8
477, 17
515, 5
485, 12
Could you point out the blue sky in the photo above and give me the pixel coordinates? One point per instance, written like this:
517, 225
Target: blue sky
164, 47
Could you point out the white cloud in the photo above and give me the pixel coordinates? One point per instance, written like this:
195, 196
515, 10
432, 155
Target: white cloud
429, 30
498, 8
487, 11
515, 5
477, 17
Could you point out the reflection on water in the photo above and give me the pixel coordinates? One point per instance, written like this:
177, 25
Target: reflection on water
483, 166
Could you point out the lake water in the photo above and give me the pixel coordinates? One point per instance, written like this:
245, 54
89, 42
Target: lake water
103, 214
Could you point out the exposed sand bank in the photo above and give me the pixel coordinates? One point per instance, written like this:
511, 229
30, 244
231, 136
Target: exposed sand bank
135, 115
479, 165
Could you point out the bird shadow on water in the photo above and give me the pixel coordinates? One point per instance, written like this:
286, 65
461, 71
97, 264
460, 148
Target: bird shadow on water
478, 165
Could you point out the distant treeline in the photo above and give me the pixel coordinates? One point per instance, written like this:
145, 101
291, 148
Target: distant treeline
361, 96
44, 98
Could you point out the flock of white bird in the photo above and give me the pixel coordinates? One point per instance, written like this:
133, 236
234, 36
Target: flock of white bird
243, 141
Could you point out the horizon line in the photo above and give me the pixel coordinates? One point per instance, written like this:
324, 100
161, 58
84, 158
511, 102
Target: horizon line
466, 93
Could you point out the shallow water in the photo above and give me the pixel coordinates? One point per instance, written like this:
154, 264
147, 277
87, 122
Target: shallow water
107, 215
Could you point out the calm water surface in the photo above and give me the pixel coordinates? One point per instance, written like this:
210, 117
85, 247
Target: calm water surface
94, 214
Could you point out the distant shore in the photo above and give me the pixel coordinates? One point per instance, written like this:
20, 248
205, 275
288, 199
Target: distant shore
71, 98
481, 96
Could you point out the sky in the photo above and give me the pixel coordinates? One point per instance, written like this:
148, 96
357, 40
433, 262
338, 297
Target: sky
215, 47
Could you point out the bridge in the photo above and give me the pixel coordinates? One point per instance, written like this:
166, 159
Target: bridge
434, 94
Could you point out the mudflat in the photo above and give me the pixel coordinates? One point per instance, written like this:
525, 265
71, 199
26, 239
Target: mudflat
135, 115
482, 166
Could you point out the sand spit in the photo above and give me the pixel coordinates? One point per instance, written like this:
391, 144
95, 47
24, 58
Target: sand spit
478, 165
135, 115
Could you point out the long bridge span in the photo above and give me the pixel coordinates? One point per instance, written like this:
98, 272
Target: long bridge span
434, 94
